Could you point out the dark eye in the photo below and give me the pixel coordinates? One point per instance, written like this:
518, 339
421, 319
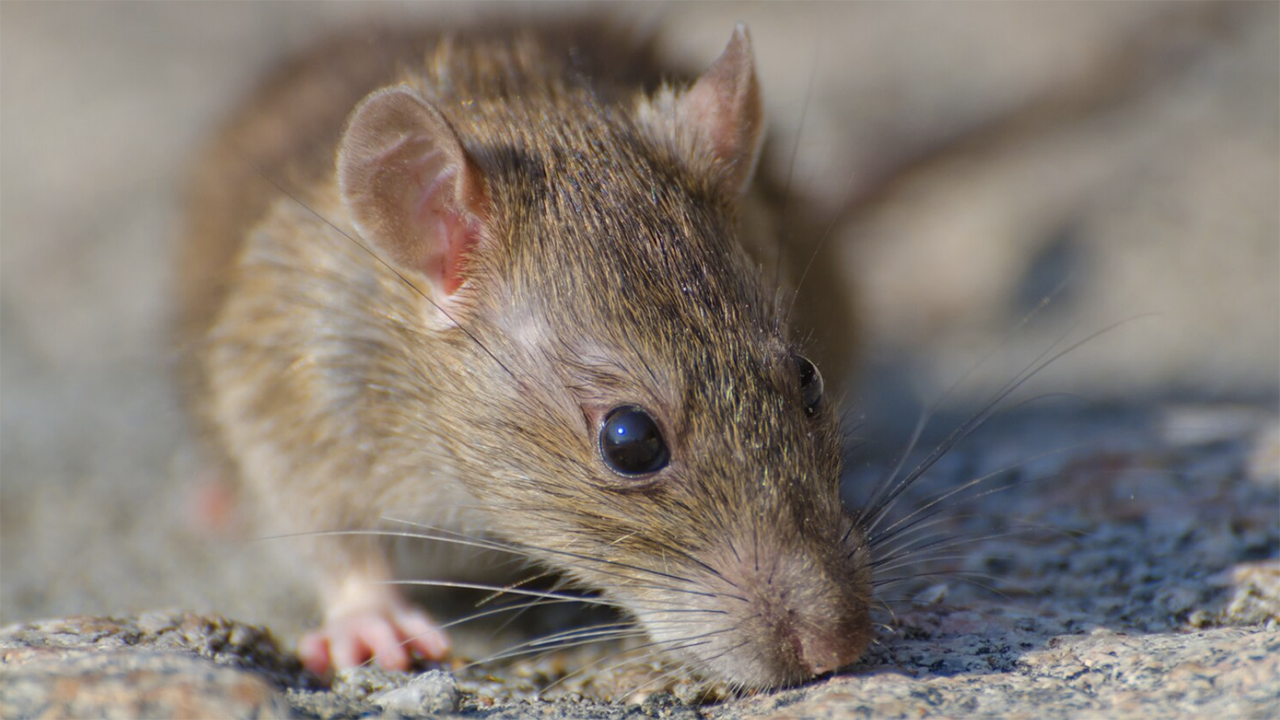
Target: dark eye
630, 442
810, 385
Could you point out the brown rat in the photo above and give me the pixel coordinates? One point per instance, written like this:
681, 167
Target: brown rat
523, 295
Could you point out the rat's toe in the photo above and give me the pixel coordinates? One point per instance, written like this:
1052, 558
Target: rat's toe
423, 635
313, 651
389, 638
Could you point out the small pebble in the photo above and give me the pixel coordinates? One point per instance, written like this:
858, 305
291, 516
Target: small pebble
431, 692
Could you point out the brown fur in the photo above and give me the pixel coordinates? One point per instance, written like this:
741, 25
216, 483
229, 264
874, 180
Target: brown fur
615, 267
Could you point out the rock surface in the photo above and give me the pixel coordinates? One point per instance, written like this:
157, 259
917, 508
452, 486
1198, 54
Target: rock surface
1164, 603
154, 665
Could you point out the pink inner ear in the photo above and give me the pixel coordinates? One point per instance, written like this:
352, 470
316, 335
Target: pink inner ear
723, 107
411, 188
446, 235
459, 238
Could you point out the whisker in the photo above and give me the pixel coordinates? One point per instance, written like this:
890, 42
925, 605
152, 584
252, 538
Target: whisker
934, 505
529, 550
977, 419
875, 505
507, 547
515, 607
665, 676
791, 170
560, 584
964, 577
626, 651
961, 575
913, 545
875, 501
822, 240
586, 600
665, 606
939, 555
564, 639
538, 653
659, 681
492, 597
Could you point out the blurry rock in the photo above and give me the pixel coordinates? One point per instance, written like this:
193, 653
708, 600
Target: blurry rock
157, 665
1264, 462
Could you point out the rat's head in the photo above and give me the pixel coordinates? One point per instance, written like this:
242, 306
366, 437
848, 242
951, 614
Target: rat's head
635, 406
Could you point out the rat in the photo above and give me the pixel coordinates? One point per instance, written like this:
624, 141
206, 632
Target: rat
514, 286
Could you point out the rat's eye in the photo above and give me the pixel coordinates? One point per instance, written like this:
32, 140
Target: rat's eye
630, 442
810, 385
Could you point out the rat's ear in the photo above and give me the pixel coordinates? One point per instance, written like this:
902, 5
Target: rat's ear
720, 114
410, 186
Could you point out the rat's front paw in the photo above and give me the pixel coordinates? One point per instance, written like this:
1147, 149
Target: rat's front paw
388, 636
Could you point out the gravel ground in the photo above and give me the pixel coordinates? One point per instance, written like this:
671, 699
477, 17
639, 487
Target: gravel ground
1123, 152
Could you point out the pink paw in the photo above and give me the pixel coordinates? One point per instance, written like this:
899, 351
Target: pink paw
389, 637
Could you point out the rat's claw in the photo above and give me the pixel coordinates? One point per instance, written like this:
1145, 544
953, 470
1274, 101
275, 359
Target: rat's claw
390, 638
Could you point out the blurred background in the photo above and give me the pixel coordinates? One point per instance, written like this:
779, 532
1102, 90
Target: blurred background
1120, 160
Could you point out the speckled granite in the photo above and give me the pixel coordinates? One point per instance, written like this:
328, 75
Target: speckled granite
1169, 608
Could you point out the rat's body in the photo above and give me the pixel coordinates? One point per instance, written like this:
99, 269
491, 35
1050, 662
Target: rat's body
509, 267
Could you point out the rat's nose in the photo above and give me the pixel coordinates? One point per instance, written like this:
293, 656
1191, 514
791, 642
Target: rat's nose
821, 650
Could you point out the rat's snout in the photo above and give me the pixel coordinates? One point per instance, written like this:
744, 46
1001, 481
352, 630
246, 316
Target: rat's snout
821, 622
820, 650
807, 615
785, 614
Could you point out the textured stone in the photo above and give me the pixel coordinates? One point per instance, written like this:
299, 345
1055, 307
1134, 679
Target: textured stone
431, 693
134, 684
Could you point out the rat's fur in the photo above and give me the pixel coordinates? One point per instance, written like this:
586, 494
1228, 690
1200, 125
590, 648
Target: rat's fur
610, 265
